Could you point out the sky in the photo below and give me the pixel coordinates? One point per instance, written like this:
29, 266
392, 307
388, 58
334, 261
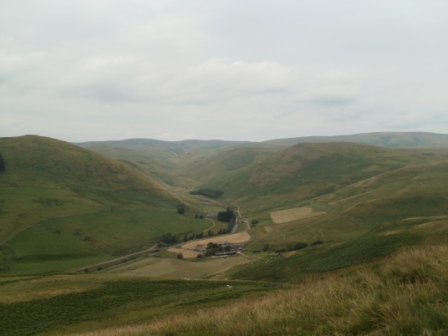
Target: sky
89, 70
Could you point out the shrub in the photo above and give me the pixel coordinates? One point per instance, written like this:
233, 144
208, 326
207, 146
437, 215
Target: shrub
299, 246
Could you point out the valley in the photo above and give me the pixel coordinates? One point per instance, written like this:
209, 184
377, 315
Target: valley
106, 238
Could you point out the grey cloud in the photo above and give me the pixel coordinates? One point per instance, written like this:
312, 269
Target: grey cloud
288, 68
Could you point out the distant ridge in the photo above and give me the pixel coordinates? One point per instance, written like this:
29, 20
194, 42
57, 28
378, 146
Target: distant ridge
382, 139
140, 143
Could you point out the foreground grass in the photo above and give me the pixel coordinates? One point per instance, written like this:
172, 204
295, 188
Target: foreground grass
405, 295
58, 305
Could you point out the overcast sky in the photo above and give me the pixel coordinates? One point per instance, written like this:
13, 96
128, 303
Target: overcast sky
210, 69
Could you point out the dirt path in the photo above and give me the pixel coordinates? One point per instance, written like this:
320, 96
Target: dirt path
211, 227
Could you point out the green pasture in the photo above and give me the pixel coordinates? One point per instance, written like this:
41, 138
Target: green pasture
21, 207
64, 242
376, 243
328, 227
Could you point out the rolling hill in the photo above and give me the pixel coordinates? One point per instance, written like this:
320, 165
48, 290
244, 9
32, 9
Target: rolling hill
62, 206
308, 170
382, 139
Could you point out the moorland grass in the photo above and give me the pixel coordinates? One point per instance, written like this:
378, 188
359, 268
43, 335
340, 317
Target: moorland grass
406, 294
113, 301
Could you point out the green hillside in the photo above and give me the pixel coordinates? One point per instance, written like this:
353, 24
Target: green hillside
148, 164
62, 206
226, 161
306, 171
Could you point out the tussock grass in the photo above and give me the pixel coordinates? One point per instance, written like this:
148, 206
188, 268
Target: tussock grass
407, 294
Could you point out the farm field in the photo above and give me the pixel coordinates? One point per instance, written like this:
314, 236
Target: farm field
188, 249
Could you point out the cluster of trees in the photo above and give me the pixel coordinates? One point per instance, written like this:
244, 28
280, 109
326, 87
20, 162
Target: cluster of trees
169, 239
293, 247
180, 208
207, 192
200, 235
213, 248
224, 231
193, 236
226, 216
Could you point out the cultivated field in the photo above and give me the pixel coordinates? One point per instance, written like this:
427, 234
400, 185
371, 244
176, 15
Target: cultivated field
289, 215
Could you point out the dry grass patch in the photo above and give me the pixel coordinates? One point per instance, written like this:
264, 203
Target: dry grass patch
289, 215
45, 287
425, 218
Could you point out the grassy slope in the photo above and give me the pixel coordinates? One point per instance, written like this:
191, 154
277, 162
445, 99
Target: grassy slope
151, 165
81, 205
62, 304
405, 294
226, 161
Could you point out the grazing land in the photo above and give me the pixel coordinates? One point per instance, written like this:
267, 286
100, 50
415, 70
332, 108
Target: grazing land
173, 268
289, 215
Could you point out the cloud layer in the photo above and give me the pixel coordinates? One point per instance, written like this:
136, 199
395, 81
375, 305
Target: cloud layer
252, 70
